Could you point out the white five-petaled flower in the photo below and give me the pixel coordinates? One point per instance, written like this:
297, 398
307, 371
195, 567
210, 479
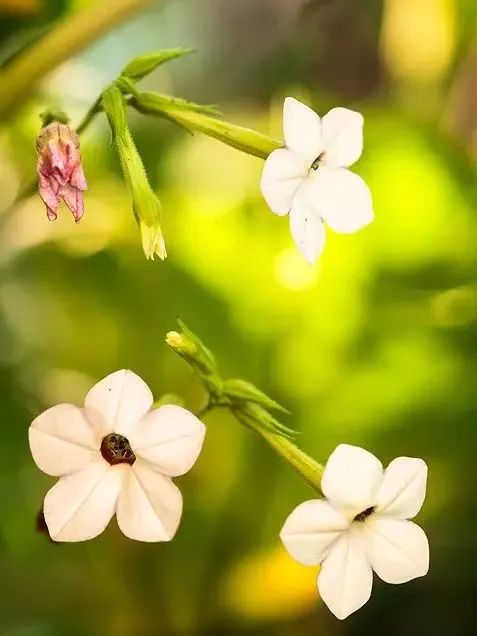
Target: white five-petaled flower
361, 526
115, 455
309, 177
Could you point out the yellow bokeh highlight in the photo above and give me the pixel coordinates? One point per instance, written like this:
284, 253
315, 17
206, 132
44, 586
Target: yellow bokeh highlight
269, 586
418, 39
293, 272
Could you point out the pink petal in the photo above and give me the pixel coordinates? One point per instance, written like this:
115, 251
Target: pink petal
74, 200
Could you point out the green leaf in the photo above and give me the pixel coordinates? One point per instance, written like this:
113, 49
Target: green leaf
265, 420
242, 391
159, 104
144, 64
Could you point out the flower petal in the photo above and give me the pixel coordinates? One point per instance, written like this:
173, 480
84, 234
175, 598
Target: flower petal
118, 402
77, 178
346, 578
403, 489
351, 479
342, 132
311, 529
281, 177
149, 506
80, 505
341, 198
302, 130
73, 199
306, 226
62, 440
169, 437
398, 550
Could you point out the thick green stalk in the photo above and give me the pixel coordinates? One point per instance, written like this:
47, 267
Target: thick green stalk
65, 39
244, 139
308, 468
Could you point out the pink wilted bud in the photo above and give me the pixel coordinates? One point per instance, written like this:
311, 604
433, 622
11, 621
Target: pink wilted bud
60, 173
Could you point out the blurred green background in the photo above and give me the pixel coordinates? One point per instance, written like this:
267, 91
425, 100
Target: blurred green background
375, 345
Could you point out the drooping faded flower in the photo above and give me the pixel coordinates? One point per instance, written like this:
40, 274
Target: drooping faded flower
361, 526
309, 178
115, 456
60, 172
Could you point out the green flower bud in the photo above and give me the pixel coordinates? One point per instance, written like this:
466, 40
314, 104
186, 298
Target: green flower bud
144, 64
193, 117
190, 347
242, 391
181, 343
192, 350
146, 206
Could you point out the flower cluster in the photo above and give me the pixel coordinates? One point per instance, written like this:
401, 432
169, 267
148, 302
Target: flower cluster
117, 455
307, 179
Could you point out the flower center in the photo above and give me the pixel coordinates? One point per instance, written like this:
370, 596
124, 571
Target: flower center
362, 516
316, 164
116, 450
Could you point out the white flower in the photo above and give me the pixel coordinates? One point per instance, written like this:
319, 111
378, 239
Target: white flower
361, 526
115, 455
309, 177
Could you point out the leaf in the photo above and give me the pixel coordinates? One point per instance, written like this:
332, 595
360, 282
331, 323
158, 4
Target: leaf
144, 64
244, 391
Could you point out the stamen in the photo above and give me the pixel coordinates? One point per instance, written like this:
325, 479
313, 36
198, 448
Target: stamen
116, 450
362, 516
316, 164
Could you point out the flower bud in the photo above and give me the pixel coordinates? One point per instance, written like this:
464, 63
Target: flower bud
60, 173
189, 347
146, 206
181, 343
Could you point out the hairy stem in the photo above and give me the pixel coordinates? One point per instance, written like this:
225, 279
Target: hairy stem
309, 469
64, 40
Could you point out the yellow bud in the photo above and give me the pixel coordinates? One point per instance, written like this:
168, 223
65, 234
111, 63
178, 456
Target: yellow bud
181, 343
174, 339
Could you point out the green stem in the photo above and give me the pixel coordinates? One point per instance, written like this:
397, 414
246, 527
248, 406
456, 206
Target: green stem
90, 115
244, 139
303, 464
308, 468
65, 39
211, 405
